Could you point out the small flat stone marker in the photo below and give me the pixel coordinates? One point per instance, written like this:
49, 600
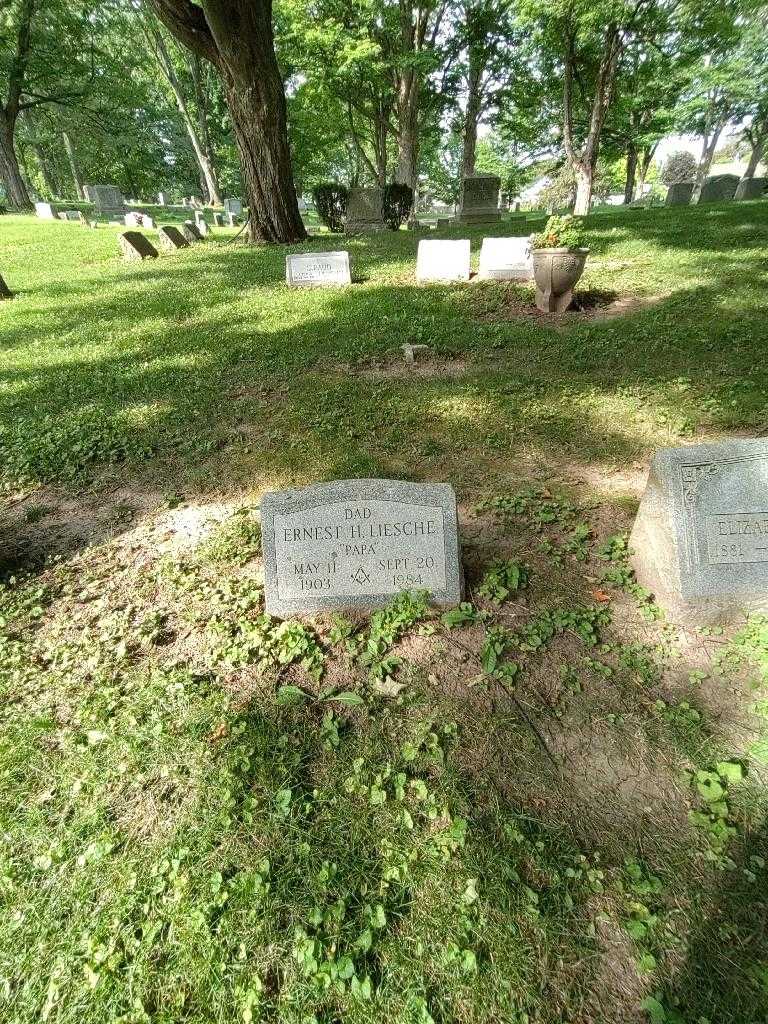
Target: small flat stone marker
700, 539
135, 246
506, 259
357, 543
443, 260
170, 238
409, 352
317, 269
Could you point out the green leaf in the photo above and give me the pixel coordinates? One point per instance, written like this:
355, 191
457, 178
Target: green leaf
348, 697
731, 771
655, 1010
290, 695
647, 963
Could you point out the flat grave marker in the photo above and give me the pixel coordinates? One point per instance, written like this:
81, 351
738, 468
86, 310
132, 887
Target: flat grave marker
506, 259
700, 539
170, 238
135, 246
357, 543
443, 260
317, 269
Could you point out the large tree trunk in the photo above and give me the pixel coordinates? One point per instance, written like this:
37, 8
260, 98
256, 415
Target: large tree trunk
629, 185
408, 135
72, 157
237, 36
10, 174
585, 174
471, 121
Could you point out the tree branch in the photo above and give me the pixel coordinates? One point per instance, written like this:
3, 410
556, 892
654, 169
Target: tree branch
188, 24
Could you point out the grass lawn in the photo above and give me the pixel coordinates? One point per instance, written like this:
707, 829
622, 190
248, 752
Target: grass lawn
548, 805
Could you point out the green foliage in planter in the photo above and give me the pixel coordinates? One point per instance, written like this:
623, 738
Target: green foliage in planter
331, 199
396, 204
560, 232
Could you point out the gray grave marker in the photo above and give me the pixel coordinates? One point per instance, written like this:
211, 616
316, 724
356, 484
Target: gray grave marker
218, 220
365, 210
357, 543
443, 260
317, 269
135, 246
233, 206
506, 259
191, 232
679, 194
701, 534
480, 199
170, 238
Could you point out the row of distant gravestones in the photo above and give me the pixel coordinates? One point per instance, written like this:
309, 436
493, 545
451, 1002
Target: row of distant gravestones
135, 246
717, 189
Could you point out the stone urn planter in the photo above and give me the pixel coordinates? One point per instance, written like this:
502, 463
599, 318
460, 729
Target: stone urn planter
556, 272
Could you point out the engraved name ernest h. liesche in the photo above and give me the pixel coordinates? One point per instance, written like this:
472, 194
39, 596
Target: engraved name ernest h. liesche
342, 548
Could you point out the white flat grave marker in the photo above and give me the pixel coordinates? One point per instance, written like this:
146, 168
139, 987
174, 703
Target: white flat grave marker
357, 543
317, 269
443, 260
506, 259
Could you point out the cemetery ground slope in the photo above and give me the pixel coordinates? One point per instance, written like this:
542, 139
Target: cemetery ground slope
546, 805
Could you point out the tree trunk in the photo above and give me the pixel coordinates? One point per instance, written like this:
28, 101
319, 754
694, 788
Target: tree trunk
643, 164
211, 179
408, 141
629, 186
585, 174
237, 36
707, 153
757, 152
585, 162
471, 121
72, 157
15, 187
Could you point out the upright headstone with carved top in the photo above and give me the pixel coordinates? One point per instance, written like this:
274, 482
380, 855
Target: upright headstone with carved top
358, 543
700, 540
365, 211
480, 199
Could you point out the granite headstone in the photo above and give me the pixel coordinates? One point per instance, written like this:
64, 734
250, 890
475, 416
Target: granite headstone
480, 199
679, 194
317, 269
700, 540
191, 231
234, 206
170, 238
443, 260
46, 211
719, 188
506, 259
135, 246
751, 188
365, 210
357, 543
